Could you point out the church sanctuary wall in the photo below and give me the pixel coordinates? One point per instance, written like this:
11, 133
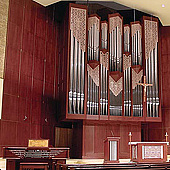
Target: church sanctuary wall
165, 60
95, 132
29, 95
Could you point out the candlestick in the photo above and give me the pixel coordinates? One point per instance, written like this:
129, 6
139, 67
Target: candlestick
130, 139
166, 137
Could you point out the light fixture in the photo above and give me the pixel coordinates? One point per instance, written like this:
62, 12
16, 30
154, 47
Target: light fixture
163, 5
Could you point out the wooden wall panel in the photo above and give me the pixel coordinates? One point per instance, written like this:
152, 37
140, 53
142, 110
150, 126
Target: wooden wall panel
23, 134
115, 128
95, 132
124, 134
35, 131
78, 144
30, 74
10, 108
89, 134
100, 133
8, 133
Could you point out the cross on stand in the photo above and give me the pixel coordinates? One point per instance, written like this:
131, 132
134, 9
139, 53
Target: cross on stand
144, 84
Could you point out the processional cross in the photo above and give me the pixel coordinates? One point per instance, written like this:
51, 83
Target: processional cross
144, 84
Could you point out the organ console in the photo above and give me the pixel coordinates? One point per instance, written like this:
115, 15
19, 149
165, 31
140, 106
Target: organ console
34, 157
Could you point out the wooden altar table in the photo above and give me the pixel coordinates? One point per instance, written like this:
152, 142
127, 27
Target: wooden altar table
148, 152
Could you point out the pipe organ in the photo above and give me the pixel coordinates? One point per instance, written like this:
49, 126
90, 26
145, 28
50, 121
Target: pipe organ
106, 62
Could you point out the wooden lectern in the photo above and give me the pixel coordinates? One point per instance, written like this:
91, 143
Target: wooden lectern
111, 150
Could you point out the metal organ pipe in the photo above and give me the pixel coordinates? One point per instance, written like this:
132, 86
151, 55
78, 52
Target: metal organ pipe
136, 35
126, 69
93, 55
151, 59
71, 75
115, 50
77, 60
103, 69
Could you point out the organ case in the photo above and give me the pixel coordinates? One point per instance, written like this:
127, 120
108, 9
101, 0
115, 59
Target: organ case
103, 65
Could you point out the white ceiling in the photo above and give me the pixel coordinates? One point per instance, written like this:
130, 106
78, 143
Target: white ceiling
153, 7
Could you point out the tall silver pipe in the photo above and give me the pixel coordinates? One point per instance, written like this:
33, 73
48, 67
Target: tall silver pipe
156, 81
82, 82
71, 74
79, 79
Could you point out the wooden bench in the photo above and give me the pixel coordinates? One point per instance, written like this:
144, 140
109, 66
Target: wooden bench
32, 166
131, 166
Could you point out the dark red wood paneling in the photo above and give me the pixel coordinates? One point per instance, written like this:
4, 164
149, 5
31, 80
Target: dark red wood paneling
14, 31
88, 139
49, 90
77, 149
24, 110
29, 17
41, 12
113, 130
11, 82
12, 59
28, 42
37, 92
94, 133
41, 28
8, 133
50, 52
39, 47
25, 87
35, 131
100, 133
16, 13
124, 139
26, 64
36, 112
23, 134
46, 132
10, 108
38, 69
30, 27
50, 72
